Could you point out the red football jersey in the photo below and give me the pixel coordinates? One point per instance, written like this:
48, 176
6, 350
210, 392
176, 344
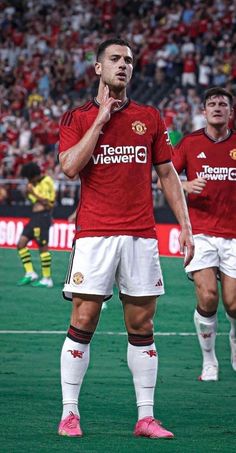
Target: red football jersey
116, 193
213, 211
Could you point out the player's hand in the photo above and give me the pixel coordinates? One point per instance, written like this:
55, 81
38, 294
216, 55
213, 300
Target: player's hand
30, 188
186, 245
195, 186
106, 105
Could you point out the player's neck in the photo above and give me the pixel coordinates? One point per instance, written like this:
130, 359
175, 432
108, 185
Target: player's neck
217, 133
120, 95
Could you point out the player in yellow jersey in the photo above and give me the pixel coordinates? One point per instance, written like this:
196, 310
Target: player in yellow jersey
41, 193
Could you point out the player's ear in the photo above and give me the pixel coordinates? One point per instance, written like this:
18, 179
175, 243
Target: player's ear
98, 68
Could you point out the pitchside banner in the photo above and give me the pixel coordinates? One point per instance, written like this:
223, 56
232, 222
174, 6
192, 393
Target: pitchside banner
62, 233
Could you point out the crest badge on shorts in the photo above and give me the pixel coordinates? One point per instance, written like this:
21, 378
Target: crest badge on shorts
232, 154
139, 128
78, 278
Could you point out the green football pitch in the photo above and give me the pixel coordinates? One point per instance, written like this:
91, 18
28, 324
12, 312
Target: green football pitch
32, 329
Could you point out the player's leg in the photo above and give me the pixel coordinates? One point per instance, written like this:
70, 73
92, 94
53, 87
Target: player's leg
75, 359
90, 276
41, 235
227, 251
25, 257
45, 261
143, 362
205, 319
228, 285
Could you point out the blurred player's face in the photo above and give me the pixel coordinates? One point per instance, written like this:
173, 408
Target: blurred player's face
218, 111
115, 67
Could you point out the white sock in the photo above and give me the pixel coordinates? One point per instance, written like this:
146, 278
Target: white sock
143, 364
206, 331
74, 364
233, 326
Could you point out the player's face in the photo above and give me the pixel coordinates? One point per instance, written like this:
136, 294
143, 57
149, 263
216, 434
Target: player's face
218, 110
115, 67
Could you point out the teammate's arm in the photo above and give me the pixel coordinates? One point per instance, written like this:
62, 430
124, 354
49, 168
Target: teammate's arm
194, 186
75, 158
46, 198
174, 194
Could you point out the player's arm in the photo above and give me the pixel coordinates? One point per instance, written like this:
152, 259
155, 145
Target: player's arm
174, 194
74, 159
195, 186
47, 195
179, 160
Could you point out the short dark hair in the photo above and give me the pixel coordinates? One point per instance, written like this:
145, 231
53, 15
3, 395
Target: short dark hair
218, 91
109, 42
30, 170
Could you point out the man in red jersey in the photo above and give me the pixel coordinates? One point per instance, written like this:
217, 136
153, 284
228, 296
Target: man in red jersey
209, 158
112, 143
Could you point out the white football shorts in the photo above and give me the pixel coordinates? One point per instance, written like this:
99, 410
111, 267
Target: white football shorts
96, 263
212, 251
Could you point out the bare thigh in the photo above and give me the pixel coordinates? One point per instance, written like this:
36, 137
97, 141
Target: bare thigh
228, 285
86, 309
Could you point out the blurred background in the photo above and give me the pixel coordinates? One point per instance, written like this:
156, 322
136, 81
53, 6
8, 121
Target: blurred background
47, 54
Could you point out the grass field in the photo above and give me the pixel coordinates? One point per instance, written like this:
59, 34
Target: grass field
32, 329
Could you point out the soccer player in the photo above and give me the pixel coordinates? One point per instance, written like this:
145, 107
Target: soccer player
41, 193
209, 156
112, 142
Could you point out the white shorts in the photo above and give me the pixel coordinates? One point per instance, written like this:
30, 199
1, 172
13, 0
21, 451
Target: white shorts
96, 263
212, 251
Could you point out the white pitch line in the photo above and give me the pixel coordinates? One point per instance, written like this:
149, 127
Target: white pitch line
60, 332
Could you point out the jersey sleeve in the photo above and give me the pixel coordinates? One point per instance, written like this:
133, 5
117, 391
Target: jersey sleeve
161, 152
50, 191
69, 131
179, 156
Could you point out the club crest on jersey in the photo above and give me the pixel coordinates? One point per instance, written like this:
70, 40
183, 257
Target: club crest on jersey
232, 154
78, 278
139, 128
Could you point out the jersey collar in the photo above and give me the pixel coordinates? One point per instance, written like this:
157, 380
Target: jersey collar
119, 109
229, 133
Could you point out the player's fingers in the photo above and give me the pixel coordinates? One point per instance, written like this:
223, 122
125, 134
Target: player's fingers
189, 253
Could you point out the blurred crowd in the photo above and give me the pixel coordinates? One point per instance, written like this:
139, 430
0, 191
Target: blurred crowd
47, 53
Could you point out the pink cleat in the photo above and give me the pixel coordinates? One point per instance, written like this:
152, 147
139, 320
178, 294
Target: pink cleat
70, 426
149, 427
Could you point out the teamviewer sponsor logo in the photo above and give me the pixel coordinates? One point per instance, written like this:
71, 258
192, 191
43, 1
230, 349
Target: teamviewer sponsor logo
141, 154
217, 173
232, 174
121, 155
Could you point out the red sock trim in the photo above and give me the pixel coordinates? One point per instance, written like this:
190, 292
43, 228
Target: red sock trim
79, 336
140, 340
205, 314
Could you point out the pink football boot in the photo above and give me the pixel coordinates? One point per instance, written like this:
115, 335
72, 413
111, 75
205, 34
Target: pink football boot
70, 426
149, 427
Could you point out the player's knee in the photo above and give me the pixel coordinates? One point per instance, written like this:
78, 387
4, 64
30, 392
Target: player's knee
208, 298
231, 309
141, 325
85, 321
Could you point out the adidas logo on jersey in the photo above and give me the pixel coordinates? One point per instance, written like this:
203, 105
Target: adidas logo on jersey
202, 155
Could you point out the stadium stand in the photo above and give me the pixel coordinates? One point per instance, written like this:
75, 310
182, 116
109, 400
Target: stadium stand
46, 67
